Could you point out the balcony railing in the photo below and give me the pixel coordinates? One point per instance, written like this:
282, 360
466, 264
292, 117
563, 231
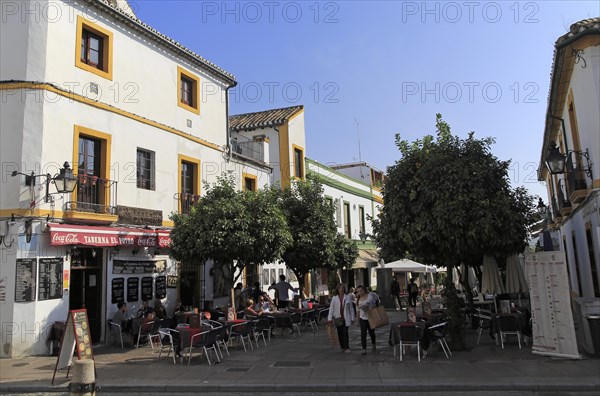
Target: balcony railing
564, 205
249, 149
186, 202
576, 184
94, 195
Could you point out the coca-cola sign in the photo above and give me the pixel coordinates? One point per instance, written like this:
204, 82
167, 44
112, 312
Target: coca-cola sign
64, 239
62, 234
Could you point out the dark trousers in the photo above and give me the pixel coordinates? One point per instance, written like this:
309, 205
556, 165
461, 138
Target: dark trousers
412, 299
364, 326
282, 304
397, 301
343, 337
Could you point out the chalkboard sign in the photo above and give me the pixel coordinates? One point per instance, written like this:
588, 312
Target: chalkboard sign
133, 289
51, 278
147, 288
118, 290
25, 280
161, 287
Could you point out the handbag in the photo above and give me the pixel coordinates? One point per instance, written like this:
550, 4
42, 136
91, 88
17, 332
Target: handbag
339, 322
378, 317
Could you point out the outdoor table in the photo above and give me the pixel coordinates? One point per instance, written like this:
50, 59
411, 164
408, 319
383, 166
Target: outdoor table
186, 334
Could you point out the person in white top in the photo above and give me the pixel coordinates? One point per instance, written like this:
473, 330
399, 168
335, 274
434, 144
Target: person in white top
341, 314
365, 302
282, 288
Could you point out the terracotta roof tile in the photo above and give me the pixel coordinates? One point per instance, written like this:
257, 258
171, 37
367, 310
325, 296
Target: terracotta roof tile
263, 119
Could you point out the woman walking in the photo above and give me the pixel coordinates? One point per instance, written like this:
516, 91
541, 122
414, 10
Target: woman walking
365, 302
341, 314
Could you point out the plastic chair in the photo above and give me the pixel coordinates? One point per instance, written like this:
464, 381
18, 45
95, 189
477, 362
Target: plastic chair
409, 335
438, 333
243, 331
115, 329
509, 325
166, 341
207, 340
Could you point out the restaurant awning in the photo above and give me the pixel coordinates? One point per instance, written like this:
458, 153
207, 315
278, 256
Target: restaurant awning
406, 265
366, 259
69, 234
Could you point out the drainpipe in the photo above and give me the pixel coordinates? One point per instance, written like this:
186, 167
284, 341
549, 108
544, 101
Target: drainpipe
227, 137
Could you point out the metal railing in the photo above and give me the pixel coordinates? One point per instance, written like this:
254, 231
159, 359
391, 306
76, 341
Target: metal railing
187, 201
248, 148
575, 177
94, 195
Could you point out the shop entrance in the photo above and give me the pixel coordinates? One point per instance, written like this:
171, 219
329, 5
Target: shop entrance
85, 290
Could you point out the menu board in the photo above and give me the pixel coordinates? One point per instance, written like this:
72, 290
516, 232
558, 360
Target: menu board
147, 288
51, 278
133, 289
161, 287
25, 280
82, 334
552, 327
138, 267
76, 337
118, 290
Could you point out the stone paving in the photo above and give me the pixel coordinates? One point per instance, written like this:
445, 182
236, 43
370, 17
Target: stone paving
309, 363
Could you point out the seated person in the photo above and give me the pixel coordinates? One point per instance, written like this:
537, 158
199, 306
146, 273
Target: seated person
120, 317
144, 310
249, 310
265, 303
159, 310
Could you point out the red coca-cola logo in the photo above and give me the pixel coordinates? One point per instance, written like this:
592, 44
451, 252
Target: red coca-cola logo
65, 239
164, 242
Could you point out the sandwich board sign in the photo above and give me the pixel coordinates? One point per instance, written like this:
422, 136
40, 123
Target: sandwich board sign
75, 338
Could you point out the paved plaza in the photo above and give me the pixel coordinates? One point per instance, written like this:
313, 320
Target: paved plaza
310, 364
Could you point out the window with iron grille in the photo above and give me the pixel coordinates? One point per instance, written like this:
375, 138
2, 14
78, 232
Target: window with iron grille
187, 91
146, 169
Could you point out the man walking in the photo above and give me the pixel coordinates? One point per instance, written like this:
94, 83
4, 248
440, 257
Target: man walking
396, 293
282, 288
413, 291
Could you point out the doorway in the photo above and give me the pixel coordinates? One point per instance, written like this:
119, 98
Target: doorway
85, 290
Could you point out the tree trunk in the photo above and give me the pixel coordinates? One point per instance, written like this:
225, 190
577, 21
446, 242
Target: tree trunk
453, 313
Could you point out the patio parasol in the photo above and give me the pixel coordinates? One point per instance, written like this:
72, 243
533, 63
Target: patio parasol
491, 282
515, 278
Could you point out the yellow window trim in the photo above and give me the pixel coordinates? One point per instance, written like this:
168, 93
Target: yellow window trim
181, 72
301, 149
105, 151
107, 50
180, 159
105, 107
249, 176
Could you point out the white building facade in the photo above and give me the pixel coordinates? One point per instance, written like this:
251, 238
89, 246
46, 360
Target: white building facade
142, 143
572, 136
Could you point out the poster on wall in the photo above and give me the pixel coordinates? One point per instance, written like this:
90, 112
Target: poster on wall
25, 280
50, 285
3, 285
161, 287
117, 290
172, 281
147, 288
133, 289
553, 328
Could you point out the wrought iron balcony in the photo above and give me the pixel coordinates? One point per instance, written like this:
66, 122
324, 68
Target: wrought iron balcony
576, 183
186, 202
93, 196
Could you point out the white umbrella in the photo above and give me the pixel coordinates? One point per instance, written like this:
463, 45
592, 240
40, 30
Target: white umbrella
515, 278
491, 282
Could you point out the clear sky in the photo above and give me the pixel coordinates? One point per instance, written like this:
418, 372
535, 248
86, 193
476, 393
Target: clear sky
391, 65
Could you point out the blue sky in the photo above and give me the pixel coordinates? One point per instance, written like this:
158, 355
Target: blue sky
390, 65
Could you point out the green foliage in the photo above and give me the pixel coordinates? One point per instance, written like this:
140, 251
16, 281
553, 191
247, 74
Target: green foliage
315, 241
232, 228
449, 201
